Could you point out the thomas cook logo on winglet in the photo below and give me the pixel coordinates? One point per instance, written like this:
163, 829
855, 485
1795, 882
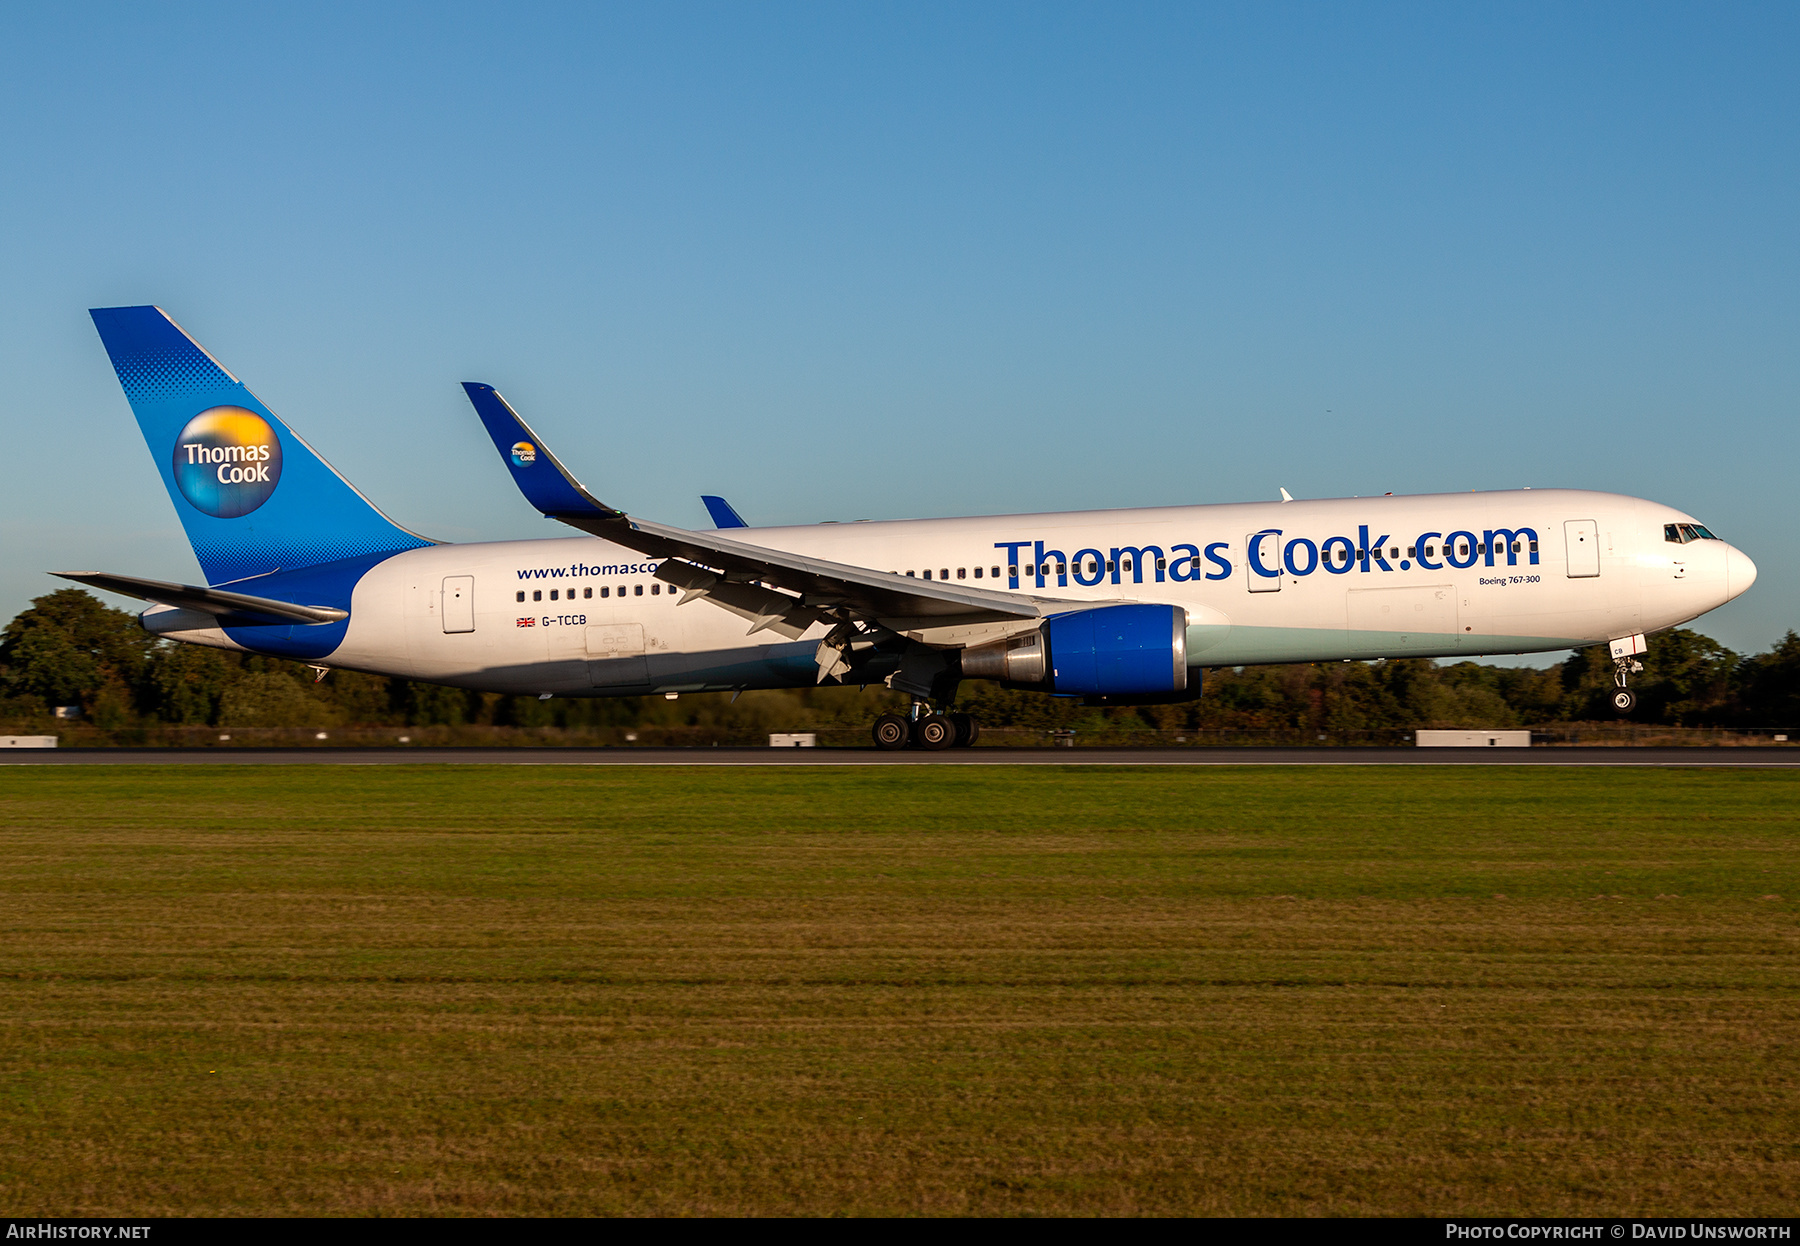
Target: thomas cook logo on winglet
227, 461
524, 453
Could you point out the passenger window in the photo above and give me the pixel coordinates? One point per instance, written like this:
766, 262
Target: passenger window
1395, 552
1410, 553
656, 590
621, 590
944, 574
552, 594
1109, 566
637, 590
996, 573
537, 594
1125, 565
521, 596
962, 573
928, 573
1463, 550
1062, 569
1012, 570
586, 593
978, 573
1162, 564
1534, 547
605, 591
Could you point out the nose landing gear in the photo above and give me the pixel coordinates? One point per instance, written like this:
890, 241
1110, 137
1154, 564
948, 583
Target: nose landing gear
1624, 653
1624, 700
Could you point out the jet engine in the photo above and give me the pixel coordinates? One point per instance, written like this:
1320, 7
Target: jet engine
1109, 653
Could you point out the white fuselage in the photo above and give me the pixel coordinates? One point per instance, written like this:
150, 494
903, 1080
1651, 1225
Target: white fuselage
1425, 576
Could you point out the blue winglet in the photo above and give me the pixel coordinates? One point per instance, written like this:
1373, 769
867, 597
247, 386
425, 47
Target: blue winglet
544, 481
722, 514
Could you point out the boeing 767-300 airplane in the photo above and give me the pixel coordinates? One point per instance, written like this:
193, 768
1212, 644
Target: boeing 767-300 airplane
1116, 607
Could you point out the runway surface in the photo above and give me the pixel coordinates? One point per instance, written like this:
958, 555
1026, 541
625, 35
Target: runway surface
1752, 758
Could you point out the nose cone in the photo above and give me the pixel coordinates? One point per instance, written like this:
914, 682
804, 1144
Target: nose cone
1740, 572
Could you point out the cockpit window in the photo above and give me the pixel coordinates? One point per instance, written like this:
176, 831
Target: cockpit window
1682, 533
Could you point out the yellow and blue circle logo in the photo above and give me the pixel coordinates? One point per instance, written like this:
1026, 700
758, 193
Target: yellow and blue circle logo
524, 453
227, 461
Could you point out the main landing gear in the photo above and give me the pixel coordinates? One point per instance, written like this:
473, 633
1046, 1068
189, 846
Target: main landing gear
925, 728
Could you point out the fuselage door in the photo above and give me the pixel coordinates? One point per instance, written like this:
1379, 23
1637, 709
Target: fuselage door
1263, 549
1583, 539
459, 603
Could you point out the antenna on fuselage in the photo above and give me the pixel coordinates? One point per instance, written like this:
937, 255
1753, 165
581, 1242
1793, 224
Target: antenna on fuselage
1286, 496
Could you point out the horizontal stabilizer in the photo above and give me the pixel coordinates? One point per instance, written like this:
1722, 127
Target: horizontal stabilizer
234, 608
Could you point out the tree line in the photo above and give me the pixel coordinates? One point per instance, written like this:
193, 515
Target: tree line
70, 649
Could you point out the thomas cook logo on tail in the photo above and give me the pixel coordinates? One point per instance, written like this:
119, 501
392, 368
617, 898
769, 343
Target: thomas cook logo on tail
227, 461
524, 453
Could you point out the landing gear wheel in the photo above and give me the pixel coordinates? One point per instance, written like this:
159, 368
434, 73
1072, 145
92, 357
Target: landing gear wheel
934, 732
1624, 700
890, 731
967, 730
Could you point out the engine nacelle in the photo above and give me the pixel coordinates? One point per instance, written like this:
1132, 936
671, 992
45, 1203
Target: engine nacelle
1109, 651
1119, 651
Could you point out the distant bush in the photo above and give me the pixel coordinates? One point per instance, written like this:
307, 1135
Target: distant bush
270, 699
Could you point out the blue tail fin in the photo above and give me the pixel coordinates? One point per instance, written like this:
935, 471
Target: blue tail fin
252, 495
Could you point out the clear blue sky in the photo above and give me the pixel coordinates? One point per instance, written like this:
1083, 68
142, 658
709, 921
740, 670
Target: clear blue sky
853, 260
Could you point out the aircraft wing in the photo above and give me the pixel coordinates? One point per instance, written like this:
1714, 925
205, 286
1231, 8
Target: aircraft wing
719, 566
232, 607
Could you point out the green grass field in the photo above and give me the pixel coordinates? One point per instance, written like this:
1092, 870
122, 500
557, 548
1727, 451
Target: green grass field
505, 990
